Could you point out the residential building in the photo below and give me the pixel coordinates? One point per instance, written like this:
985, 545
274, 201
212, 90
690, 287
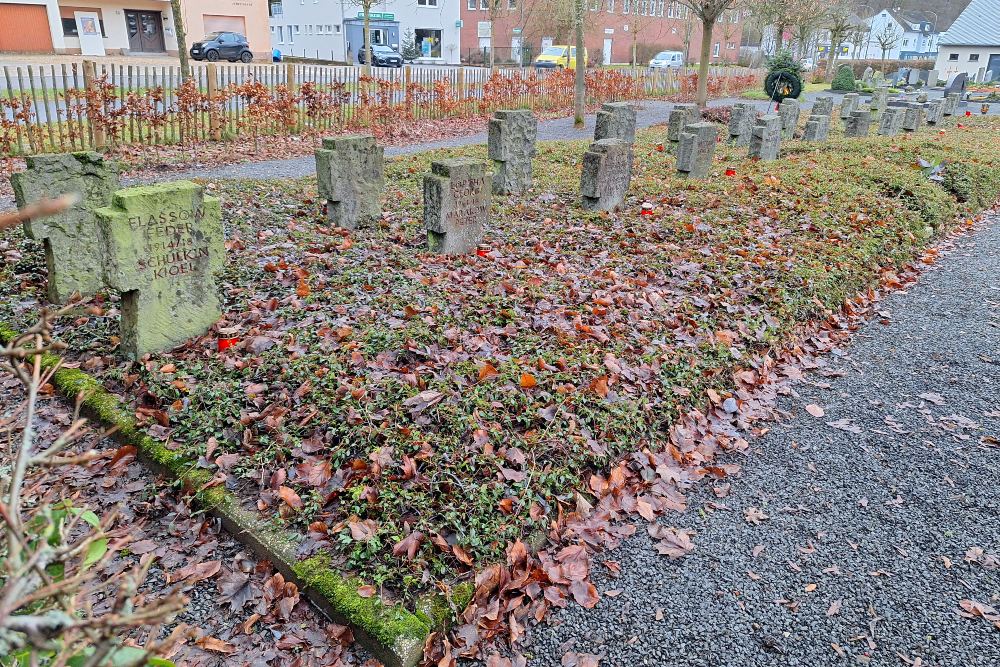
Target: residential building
615, 30
333, 29
972, 43
892, 34
123, 27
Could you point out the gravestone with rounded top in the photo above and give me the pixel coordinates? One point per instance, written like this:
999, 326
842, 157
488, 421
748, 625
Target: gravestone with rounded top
72, 252
615, 120
789, 112
741, 123
681, 115
817, 128
456, 205
891, 122
957, 83
511, 146
823, 106
848, 105
607, 172
766, 140
350, 176
913, 116
696, 149
858, 124
163, 246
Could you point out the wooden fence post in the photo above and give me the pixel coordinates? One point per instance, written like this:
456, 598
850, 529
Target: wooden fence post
214, 125
293, 86
461, 83
89, 80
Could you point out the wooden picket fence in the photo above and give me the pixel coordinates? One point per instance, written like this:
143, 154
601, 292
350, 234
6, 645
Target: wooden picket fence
87, 105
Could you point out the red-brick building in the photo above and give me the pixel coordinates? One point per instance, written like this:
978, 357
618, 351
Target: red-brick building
614, 28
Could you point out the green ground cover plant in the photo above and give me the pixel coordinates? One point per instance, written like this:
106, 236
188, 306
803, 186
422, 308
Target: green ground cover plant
414, 414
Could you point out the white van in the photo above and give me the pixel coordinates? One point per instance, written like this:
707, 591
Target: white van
667, 60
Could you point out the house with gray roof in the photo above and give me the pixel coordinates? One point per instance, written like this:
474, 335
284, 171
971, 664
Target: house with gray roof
972, 43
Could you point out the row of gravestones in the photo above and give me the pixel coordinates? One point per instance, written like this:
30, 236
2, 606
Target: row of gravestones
161, 245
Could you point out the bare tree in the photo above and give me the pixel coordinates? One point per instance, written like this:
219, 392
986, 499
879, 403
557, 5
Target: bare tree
887, 39
840, 23
182, 52
708, 11
580, 84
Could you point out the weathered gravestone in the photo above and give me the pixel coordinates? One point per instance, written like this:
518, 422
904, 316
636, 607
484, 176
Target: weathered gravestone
789, 112
849, 105
921, 97
981, 75
951, 104
766, 140
891, 122
163, 246
511, 146
880, 97
681, 115
72, 252
935, 111
607, 171
857, 124
901, 76
924, 76
350, 177
615, 120
913, 77
696, 150
913, 116
957, 84
741, 123
932, 78
817, 128
456, 205
868, 76
823, 106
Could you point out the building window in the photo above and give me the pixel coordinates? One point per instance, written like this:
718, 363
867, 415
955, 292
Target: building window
512, 4
952, 56
69, 28
715, 49
973, 57
626, 7
427, 3
906, 42
611, 6
428, 41
730, 46
281, 34
484, 4
336, 29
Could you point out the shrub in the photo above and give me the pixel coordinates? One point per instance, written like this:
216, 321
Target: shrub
784, 61
844, 79
717, 114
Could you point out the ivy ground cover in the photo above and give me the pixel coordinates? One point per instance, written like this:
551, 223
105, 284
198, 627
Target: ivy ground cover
415, 414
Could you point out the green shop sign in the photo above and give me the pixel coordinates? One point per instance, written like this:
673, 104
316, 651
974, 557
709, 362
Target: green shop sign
378, 16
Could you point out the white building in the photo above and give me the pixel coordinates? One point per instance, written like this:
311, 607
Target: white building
972, 43
333, 29
900, 35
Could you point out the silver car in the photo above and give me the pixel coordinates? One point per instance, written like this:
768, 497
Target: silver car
667, 60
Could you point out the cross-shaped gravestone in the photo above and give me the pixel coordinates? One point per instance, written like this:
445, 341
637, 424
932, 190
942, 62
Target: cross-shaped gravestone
951, 104
607, 172
350, 177
913, 117
70, 237
681, 115
766, 140
857, 124
823, 106
880, 97
789, 112
511, 146
848, 104
741, 123
817, 128
163, 246
456, 205
615, 120
696, 149
891, 122
935, 111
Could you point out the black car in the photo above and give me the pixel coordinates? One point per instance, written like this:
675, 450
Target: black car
229, 45
382, 56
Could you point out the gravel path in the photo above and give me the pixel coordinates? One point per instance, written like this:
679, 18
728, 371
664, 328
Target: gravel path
876, 523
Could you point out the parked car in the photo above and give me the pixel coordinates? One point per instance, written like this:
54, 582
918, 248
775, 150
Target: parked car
558, 57
382, 56
229, 45
667, 60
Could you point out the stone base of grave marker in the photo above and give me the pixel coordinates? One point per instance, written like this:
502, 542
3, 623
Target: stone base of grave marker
817, 128
681, 115
72, 252
696, 149
456, 205
615, 120
163, 246
607, 172
350, 178
511, 146
766, 140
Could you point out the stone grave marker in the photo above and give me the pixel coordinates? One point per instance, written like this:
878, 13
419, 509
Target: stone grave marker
913, 77
913, 116
925, 76
989, 76
817, 128
607, 172
511, 146
681, 115
456, 205
696, 150
350, 175
891, 122
766, 139
951, 104
823, 106
868, 76
789, 112
880, 97
615, 120
980, 75
901, 76
848, 105
935, 111
858, 124
72, 251
957, 83
163, 246
741, 123
921, 97
932, 78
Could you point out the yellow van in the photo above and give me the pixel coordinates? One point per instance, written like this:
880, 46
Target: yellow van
558, 57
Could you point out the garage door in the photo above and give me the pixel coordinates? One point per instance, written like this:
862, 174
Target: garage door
24, 28
215, 23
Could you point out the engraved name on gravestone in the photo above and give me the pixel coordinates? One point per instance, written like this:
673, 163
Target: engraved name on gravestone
511, 146
848, 104
681, 115
456, 205
350, 176
696, 149
741, 123
857, 124
72, 252
163, 246
817, 128
789, 112
891, 122
615, 120
823, 106
607, 172
913, 116
766, 140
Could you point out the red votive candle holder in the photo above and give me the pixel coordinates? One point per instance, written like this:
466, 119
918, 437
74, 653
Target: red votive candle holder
968, 113
730, 171
484, 250
226, 343
647, 209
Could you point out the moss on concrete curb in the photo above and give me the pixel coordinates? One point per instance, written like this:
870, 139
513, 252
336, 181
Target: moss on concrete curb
392, 633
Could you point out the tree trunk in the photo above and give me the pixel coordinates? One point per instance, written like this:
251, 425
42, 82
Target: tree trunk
492, 58
580, 88
182, 52
706, 54
779, 36
367, 39
635, 40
